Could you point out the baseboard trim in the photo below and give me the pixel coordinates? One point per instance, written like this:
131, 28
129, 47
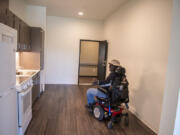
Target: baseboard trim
141, 121
87, 76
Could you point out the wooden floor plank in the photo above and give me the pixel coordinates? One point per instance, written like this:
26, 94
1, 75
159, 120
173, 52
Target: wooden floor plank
60, 111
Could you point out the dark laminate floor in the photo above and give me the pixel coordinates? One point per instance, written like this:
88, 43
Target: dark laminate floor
61, 111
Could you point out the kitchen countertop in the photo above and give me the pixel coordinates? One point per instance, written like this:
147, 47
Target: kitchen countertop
27, 72
21, 80
26, 76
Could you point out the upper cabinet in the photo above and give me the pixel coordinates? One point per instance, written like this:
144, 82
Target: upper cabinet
24, 44
9, 18
4, 4
23, 30
37, 43
17, 27
3, 15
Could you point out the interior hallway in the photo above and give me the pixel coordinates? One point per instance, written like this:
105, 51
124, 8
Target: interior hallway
61, 111
87, 80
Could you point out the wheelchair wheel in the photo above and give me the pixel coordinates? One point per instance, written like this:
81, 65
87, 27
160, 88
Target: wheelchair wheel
110, 124
98, 112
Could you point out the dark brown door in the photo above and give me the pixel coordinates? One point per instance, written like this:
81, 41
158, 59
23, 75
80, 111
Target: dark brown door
103, 48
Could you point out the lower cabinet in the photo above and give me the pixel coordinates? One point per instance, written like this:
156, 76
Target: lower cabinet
36, 88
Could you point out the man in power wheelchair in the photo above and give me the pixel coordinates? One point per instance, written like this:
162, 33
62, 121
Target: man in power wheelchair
110, 99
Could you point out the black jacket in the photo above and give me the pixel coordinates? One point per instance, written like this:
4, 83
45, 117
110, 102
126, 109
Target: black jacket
109, 80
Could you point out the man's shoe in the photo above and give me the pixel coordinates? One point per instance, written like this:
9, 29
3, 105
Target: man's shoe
89, 107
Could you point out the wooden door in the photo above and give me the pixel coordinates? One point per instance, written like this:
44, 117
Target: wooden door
102, 63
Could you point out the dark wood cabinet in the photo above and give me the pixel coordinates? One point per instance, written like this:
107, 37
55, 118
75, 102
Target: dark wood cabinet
9, 18
24, 37
4, 4
28, 38
17, 27
37, 43
42, 50
3, 15
36, 87
23, 30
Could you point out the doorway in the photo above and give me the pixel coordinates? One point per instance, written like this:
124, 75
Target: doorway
92, 61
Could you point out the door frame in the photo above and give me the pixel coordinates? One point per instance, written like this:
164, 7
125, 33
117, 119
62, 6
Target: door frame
80, 54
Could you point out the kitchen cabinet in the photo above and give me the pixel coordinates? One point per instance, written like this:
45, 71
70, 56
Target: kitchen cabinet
16, 26
9, 18
36, 87
4, 4
3, 16
24, 37
23, 30
27, 37
42, 50
37, 43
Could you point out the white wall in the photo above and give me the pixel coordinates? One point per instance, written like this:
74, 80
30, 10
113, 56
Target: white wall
19, 8
36, 16
177, 122
173, 77
62, 48
139, 35
33, 15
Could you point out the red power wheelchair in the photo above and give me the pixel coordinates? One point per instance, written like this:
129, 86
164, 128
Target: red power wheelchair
112, 110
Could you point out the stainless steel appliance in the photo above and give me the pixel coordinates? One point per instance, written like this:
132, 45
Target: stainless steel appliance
8, 96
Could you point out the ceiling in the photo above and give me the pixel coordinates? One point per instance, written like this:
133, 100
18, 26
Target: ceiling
93, 9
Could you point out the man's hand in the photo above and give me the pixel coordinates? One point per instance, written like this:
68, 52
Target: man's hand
110, 88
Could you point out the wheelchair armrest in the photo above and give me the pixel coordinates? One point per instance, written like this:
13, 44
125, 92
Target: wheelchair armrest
102, 99
103, 90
